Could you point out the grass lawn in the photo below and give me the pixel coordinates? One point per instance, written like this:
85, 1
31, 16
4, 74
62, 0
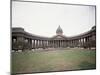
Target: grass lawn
55, 60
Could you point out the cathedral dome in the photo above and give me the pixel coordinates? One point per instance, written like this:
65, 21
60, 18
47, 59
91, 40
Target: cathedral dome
59, 31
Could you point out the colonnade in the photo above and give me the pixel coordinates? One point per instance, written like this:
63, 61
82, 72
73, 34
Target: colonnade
22, 40
29, 43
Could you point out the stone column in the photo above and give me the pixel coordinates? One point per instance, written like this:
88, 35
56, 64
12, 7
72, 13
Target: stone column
83, 42
80, 42
45, 43
33, 44
67, 43
59, 43
30, 40
56, 44
64, 43
72, 43
14, 43
42, 43
77, 42
20, 42
38, 43
53, 43
48, 43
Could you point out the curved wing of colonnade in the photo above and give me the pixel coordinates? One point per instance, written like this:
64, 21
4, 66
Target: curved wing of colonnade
22, 40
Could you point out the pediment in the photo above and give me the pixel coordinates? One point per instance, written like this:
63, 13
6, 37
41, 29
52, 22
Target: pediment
59, 37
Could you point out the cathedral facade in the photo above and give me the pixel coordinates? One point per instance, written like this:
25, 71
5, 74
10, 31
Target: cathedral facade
22, 40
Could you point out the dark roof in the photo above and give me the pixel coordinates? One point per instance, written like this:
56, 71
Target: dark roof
59, 30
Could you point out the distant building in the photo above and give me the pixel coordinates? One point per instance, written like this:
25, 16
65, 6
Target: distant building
22, 40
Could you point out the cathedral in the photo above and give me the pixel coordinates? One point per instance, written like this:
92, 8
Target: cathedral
22, 40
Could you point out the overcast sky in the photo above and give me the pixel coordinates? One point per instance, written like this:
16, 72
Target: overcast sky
43, 19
